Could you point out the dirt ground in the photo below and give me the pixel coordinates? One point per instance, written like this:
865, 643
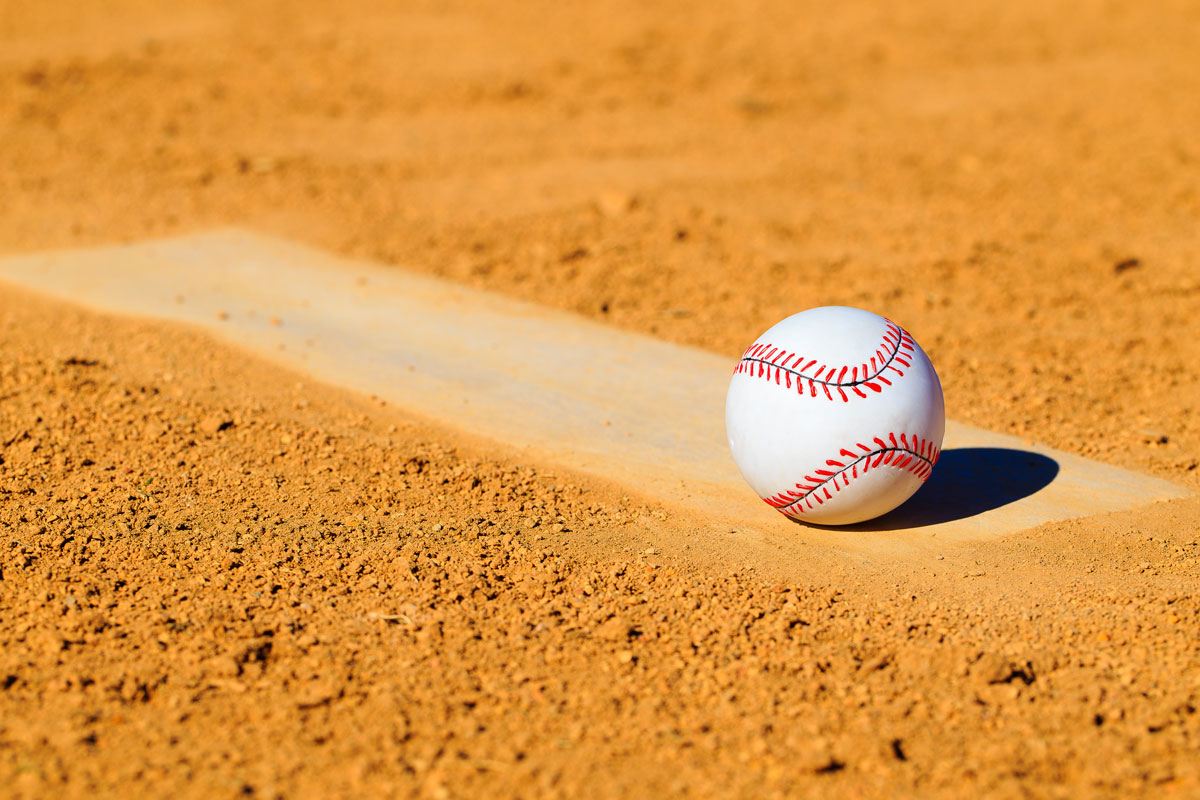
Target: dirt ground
218, 578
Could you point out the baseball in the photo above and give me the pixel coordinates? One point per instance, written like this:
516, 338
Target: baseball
835, 416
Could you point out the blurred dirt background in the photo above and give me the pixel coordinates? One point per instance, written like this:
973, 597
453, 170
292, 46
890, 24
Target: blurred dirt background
218, 579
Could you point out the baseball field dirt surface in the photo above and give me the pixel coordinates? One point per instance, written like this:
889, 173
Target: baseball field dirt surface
224, 573
622, 406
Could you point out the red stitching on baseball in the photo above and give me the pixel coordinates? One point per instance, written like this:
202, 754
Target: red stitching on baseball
910, 453
772, 362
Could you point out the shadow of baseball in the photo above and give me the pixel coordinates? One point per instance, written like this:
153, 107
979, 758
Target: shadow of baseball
968, 481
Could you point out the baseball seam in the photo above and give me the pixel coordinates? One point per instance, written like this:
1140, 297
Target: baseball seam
764, 360
910, 453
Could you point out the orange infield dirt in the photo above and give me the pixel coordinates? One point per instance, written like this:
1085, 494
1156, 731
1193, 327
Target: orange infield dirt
218, 578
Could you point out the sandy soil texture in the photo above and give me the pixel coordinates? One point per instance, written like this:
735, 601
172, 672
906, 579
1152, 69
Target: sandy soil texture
218, 578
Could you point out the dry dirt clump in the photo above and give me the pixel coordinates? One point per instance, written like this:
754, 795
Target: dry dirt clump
219, 581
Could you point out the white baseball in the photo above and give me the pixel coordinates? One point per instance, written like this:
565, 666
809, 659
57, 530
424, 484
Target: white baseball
835, 416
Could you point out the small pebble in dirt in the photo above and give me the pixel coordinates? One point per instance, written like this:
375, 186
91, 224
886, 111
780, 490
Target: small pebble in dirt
1150, 436
214, 424
614, 203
